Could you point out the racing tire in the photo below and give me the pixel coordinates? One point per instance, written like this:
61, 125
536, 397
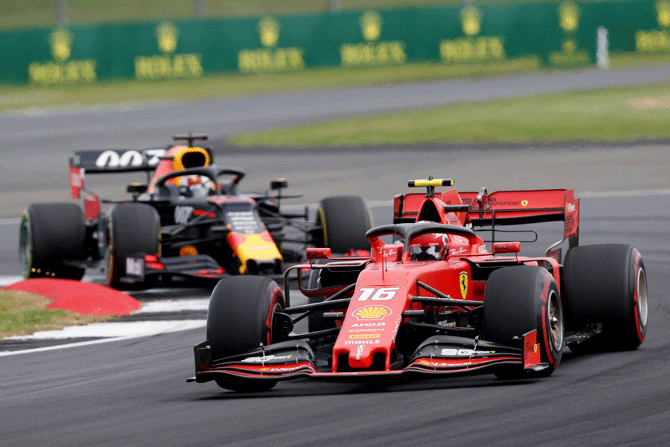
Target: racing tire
606, 284
344, 221
50, 234
518, 300
133, 230
240, 318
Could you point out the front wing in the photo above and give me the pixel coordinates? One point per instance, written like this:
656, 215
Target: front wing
439, 355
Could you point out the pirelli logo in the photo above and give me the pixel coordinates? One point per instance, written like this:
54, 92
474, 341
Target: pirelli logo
363, 336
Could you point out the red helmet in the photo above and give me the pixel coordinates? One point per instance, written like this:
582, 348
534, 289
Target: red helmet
429, 247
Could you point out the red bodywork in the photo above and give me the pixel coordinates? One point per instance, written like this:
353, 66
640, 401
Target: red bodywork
390, 284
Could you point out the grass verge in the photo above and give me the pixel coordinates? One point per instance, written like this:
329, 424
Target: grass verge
24, 313
615, 114
231, 85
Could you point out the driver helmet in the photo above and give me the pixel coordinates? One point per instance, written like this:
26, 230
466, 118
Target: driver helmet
198, 185
429, 247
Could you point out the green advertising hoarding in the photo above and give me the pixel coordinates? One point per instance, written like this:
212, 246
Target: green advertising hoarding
560, 34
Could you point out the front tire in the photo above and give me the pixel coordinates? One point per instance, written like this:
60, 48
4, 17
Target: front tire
134, 230
518, 300
240, 318
606, 284
344, 221
51, 234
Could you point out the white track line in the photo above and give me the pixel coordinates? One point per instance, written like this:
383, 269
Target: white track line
130, 329
173, 306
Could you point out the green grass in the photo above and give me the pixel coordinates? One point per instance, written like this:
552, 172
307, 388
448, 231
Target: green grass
23, 313
617, 114
228, 85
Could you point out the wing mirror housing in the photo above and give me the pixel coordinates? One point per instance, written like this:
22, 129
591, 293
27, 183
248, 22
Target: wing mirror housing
318, 253
506, 247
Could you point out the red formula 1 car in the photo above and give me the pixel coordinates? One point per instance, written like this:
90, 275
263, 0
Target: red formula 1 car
186, 224
432, 299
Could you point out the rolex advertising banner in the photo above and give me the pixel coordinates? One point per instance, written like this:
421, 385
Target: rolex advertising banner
560, 34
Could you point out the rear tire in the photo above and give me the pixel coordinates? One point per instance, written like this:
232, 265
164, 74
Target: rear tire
134, 231
518, 300
240, 318
606, 284
51, 234
344, 221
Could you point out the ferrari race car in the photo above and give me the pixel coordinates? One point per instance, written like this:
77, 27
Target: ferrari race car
188, 221
432, 299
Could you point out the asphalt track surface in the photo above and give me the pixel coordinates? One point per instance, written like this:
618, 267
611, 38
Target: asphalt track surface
133, 392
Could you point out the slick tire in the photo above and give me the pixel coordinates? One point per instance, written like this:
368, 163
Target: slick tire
606, 284
133, 231
344, 221
518, 300
50, 235
240, 318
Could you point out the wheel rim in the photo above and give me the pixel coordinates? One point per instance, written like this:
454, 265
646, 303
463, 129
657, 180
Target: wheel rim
642, 299
555, 315
25, 246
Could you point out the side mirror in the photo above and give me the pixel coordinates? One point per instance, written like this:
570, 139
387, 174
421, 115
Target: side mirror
279, 183
506, 247
136, 188
318, 253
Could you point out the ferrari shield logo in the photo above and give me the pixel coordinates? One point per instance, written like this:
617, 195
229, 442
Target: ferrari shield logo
463, 282
524, 203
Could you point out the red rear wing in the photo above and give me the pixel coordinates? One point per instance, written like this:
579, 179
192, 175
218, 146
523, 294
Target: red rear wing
503, 208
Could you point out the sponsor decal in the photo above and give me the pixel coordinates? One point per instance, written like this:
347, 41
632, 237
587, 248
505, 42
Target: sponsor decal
168, 64
570, 53
372, 313
570, 207
362, 330
266, 358
455, 252
524, 203
362, 342
463, 283
363, 336
375, 294
359, 351
472, 47
463, 352
357, 325
270, 58
62, 70
372, 52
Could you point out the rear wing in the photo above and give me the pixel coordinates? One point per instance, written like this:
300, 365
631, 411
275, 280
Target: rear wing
117, 160
501, 208
111, 161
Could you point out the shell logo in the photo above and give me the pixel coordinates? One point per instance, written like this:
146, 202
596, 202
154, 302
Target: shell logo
372, 313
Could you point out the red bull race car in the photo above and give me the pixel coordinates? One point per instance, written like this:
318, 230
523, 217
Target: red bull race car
432, 299
187, 222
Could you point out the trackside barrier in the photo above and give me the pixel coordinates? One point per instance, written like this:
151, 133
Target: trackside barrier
560, 34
